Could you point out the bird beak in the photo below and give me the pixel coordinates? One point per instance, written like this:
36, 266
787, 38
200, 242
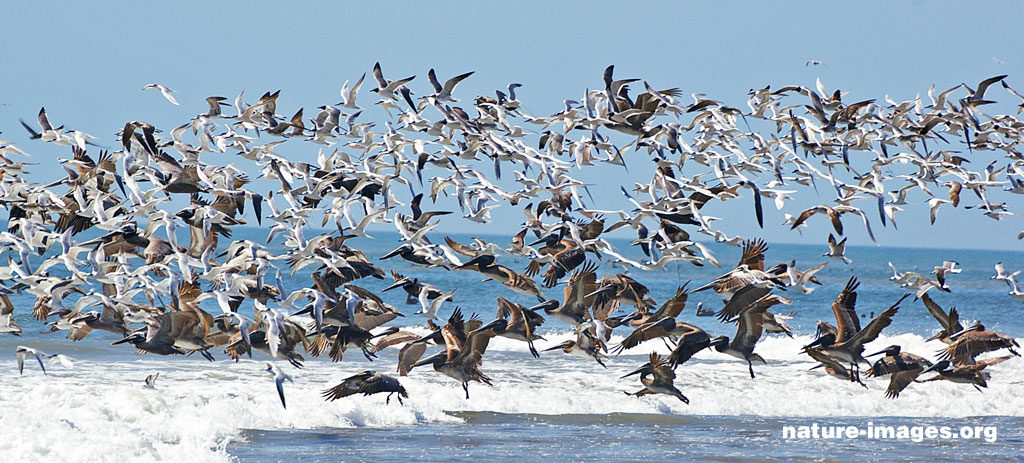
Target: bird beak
937, 336
964, 331
638, 370
719, 341
564, 345
431, 360
598, 292
886, 351
934, 367
397, 284
496, 324
821, 341
427, 337
548, 304
816, 366
126, 339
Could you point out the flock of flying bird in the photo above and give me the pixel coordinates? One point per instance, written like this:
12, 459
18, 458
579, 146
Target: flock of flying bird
141, 280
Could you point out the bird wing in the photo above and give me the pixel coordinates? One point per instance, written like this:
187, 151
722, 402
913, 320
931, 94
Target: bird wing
409, 355
882, 320
674, 305
900, 380
454, 334
972, 344
843, 308
741, 300
937, 312
748, 331
651, 330
393, 339
690, 343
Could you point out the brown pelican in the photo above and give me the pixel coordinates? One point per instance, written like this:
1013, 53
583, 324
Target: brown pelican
367, 382
756, 296
413, 287
973, 341
851, 350
586, 345
689, 343
623, 290
728, 284
748, 331
846, 317
968, 374
172, 333
521, 322
670, 308
341, 338
574, 308
564, 255
832, 366
513, 280
463, 352
950, 322
109, 320
903, 368
657, 378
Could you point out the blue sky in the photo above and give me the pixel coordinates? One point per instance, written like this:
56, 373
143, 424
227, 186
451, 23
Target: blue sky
86, 63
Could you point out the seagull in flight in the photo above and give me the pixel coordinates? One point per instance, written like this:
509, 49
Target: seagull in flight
164, 90
279, 378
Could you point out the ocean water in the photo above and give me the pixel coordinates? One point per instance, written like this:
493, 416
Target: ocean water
558, 407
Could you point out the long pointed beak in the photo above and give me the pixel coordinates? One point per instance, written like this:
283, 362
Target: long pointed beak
497, 324
598, 292
548, 304
122, 341
638, 370
816, 366
564, 345
822, 341
430, 360
427, 337
886, 351
934, 367
719, 341
397, 284
937, 336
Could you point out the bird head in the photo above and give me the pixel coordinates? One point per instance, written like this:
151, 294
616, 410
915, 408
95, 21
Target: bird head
643, 371
565, 345
436, 359
938, 367
892, 350
974, 327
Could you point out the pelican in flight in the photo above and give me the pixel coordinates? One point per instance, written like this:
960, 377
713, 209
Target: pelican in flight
367, 382
657, 378
902, 368
463, 352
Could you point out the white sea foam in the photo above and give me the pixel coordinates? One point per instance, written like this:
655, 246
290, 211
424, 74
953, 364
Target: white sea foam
101, 411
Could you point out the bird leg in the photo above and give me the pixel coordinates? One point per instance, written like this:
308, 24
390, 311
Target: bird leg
751, 367
465, 387
387, 400
367, 354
